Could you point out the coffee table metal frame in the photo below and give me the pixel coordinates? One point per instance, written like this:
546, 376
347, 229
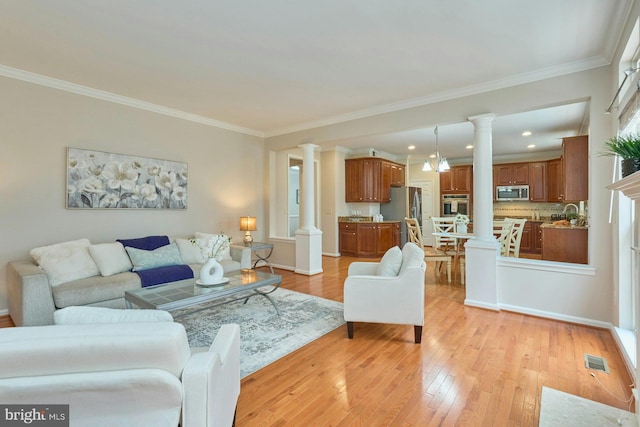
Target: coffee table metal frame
186, 293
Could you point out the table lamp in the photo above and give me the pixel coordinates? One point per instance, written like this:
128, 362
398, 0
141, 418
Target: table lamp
247, 224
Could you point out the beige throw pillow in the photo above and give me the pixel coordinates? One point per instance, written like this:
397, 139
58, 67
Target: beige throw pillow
67, 261
390, 263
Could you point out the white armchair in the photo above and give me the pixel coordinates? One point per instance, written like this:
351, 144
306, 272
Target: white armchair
398, 299
138, 373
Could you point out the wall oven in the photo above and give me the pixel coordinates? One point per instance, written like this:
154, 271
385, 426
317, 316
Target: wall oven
454, 204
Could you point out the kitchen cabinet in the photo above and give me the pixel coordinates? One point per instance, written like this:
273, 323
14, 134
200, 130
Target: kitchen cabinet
531, 238
457, 180
537, 181
369, 179
565, 244
397, 175
511, 174
368, 239
348, 238
555, 182
575, 168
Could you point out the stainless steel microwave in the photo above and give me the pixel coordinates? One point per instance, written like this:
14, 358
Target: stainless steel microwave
512, 192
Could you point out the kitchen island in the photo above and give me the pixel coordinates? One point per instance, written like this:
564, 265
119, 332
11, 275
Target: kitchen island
565, 243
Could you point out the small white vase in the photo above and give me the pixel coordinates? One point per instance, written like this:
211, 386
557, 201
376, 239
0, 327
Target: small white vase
211, 272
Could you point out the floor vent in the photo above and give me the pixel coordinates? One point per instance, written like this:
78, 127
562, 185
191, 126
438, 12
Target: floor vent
595, 362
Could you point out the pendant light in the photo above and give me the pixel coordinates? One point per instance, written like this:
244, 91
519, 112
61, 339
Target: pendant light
441, 163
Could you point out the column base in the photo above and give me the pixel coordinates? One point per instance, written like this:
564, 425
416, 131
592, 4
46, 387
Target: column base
482, 273
308, 251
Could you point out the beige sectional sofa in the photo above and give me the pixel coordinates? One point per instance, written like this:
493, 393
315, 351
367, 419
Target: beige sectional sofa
33, 300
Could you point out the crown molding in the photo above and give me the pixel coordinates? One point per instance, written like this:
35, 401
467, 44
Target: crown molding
529, 77
39, 79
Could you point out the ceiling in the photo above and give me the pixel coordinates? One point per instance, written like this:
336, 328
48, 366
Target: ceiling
272, 67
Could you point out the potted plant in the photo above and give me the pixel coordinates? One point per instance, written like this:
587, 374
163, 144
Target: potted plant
572, 217
628, 148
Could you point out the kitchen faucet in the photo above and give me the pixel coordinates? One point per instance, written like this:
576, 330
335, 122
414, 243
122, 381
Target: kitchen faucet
570, 204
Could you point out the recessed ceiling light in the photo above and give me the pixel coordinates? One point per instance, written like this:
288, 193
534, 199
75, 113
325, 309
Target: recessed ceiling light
412, 147
531, 146
469, 147
526, 133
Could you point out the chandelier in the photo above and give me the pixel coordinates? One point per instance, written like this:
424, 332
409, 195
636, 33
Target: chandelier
439, 163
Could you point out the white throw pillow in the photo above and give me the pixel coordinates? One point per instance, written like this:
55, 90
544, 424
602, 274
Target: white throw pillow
390, 263
412, 256
67, 261
111, 258
223, 255
163, 256
189, 252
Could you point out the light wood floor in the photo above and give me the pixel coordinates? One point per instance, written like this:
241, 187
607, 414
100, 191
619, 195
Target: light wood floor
474, 367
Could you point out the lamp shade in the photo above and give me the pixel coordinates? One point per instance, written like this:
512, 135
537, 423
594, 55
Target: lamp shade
247, 223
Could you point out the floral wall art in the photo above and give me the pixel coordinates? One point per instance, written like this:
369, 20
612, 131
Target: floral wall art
99, 180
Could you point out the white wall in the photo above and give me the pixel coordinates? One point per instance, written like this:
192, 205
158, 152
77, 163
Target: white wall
38, 123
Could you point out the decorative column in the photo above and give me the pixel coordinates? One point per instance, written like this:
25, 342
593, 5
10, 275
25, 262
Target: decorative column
308, 237
483, 250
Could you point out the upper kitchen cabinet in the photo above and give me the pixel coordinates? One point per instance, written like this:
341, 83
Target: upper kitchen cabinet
369, 179
575, 168
511, 174
538, 181
397, 175
568, 177
457, 180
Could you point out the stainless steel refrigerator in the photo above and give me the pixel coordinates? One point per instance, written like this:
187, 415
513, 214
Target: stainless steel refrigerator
405, 202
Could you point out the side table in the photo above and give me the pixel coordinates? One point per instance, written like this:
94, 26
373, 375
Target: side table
256, 247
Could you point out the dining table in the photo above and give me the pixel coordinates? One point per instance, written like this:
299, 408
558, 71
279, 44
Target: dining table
460, 238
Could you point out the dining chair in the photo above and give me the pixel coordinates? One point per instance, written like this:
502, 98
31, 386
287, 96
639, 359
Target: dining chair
516, 236
414, 235
502, 231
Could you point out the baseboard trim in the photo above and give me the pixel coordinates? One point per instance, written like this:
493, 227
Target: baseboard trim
4, 312
307, 272
556, 316
481, 304
336, 255
626, 357
283, 267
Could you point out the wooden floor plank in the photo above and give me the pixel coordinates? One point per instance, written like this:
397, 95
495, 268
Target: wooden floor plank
474, 367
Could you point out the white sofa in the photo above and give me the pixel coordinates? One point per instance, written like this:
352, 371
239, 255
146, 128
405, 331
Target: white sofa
33, 300
119, 374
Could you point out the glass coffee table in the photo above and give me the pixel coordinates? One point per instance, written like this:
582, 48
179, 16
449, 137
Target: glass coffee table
186, 293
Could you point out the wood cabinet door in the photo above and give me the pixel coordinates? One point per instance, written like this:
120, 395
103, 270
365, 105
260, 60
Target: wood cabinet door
462, 179
554, 181
525, 242
397, 237
384, 234
502, 174
397, 175
536, 237
367, 238
446, 182
520, 174
538, 181
575, 168
349, 240
385, 181
353, 180
370, 184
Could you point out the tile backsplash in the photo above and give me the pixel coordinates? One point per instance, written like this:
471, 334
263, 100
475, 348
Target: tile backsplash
527, 209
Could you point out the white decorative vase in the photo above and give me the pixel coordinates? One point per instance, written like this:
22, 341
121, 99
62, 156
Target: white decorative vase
211, 272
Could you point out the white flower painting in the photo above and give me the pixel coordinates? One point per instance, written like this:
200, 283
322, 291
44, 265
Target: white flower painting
98, 180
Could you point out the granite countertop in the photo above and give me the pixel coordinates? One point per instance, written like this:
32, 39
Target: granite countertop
571, 227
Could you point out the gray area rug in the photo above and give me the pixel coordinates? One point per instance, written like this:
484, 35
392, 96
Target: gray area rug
559, 409
264, 336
